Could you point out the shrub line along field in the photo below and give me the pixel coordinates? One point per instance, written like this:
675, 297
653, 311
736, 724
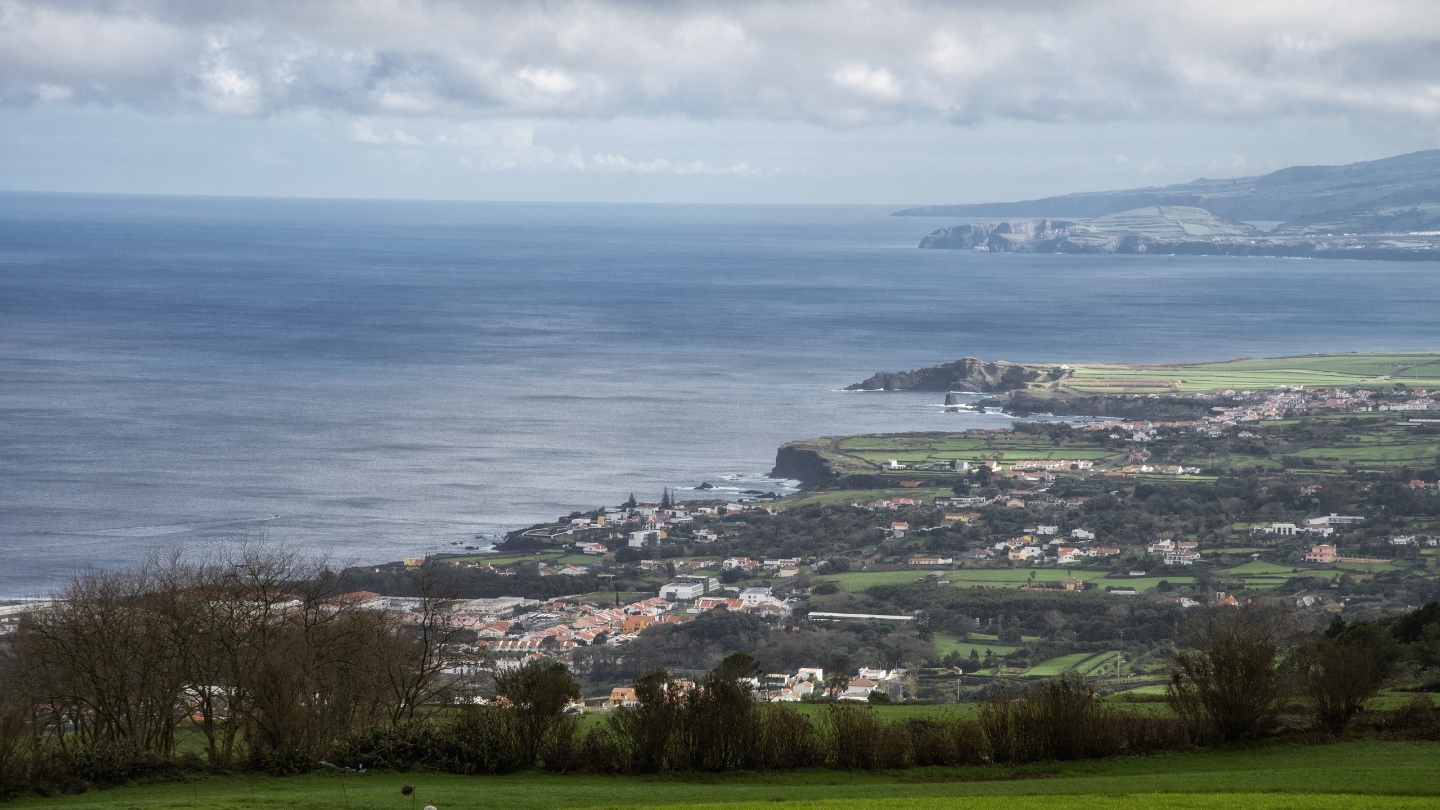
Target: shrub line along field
1340, 775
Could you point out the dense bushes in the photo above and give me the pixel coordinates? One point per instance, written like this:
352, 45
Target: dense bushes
719, 727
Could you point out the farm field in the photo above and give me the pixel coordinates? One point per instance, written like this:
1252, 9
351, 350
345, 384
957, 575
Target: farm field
856, 581
1416, 369
1056, 666
848, 496
1341, 775
943, 448
1378, 448
946, 643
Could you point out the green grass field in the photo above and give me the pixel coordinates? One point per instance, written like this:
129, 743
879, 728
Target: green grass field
856, 581
946, 643
843, 497
1416, 369
1055, 666
1342, 775
933, 448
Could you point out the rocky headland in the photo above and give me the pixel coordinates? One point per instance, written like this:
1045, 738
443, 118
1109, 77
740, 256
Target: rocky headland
968, 374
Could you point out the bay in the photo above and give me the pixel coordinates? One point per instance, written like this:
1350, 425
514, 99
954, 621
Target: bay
377, 379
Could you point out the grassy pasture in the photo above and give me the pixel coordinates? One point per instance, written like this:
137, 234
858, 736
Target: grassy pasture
1055, 666
1416, 369
1348, 775
1257, 567
864, 496
1097, 662
942, 448
946, 643
857, 581
1389, 447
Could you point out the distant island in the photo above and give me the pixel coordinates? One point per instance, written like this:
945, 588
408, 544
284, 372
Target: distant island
1383, 209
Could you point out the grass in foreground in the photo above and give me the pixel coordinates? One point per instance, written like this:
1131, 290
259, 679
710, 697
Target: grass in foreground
1344, 775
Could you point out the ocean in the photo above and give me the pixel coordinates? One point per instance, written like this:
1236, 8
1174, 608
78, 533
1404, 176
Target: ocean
373, 380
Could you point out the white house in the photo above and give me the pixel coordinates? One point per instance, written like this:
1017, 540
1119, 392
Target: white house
1081, 534
753, 597
815, 674
640, 538
684, 589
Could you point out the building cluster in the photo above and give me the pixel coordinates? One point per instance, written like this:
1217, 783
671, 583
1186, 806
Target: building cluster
1255, 407
1041, 545
806, 683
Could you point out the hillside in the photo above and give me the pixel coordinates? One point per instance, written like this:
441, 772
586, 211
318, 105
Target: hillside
1286, 195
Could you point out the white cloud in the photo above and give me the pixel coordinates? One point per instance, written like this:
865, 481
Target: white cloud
364, 132
605, 162
554, 82
877, 83
827, 62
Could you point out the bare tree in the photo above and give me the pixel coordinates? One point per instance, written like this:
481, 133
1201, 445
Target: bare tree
413, 657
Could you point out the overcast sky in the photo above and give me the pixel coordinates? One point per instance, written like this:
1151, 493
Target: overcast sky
822, 101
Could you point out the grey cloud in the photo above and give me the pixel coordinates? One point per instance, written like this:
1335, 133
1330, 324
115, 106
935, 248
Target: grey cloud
828, 62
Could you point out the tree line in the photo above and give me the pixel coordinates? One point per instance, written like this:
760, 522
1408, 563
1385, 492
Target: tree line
256, 657
252, 651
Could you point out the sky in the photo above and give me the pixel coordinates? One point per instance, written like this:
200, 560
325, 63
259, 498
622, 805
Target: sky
744, 101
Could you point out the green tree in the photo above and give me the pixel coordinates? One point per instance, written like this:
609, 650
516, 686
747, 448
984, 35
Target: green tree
839, 679
647, 730
1228, 684
539, 693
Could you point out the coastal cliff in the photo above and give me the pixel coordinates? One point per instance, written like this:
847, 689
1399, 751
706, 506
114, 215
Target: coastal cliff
967, 374
799, 461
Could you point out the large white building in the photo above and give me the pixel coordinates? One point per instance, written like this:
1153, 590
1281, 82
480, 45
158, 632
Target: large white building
685, 589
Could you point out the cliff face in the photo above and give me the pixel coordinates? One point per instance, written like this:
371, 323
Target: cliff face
1002, 234
801, 463
967, 374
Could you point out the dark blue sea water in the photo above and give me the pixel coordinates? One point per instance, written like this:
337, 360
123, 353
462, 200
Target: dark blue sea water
377, 379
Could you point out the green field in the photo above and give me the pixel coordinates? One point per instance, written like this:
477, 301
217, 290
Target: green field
1055, 666
946, 643
1381, 446
938, 448
843, 497
1343, 775
1416, 369
855, 581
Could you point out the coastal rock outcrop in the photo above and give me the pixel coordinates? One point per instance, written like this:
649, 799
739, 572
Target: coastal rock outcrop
967, 374
802, 463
